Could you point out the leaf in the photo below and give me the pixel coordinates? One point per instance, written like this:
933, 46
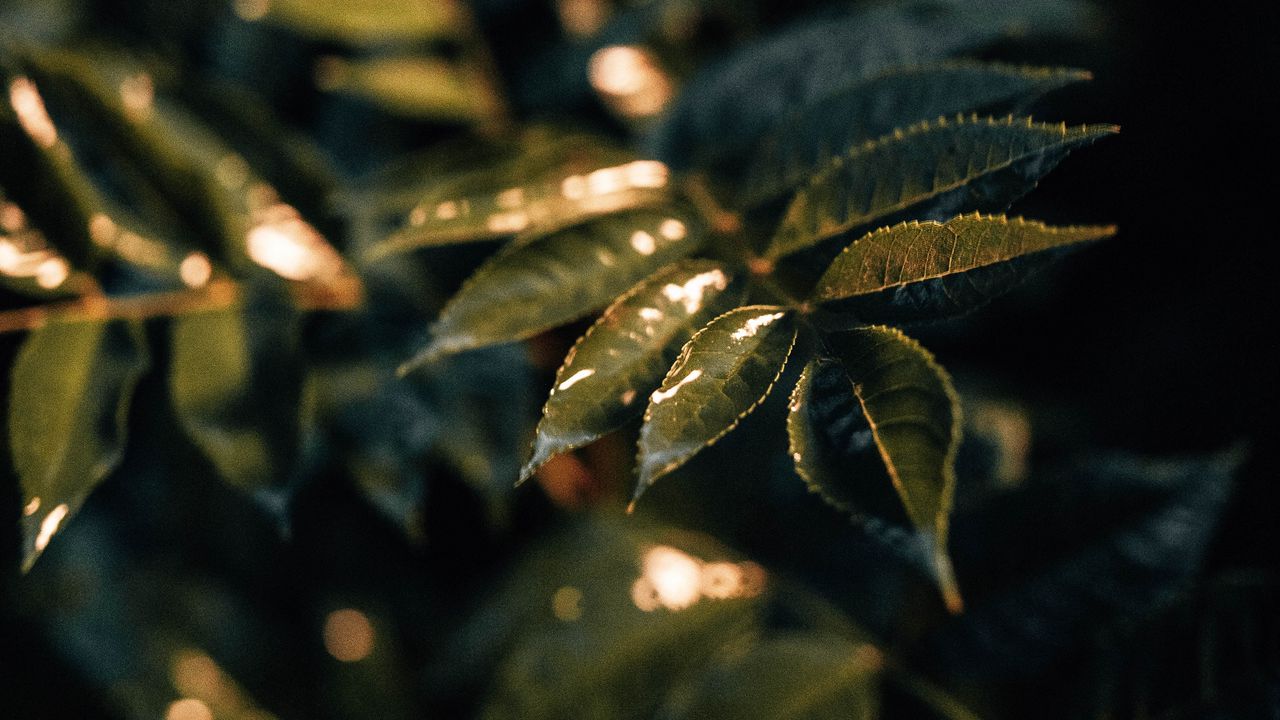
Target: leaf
914, 414
28, 265
236, 380
71, 388
917, 270
792, 675
413, 86
934, 169
872, 107
723, 373
726, 109
625, 354
532, 287
366, 22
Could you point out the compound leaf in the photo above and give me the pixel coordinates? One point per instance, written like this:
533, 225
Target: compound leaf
934, 170
723, 373
71, 389
625, 354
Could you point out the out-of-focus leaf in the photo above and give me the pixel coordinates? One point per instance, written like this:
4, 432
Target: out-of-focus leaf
914, 414
28, 265
795, 675
539, 190
723, 373
71, 388
934, 169
625, 354
725, 110
1056, 562
878, 105
413, 86
933, 270
531, 287
366, 22
236, 379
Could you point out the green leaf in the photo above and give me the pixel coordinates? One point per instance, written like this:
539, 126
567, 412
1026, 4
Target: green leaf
935, 169
625, 354
722, 374
915, 418
28, 264
71, 388
915, 252
236, 381
366, 22
872, 107
532, 287
413, 86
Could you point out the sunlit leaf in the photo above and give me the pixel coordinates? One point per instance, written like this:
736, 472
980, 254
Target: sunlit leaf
932, 270
426, 88
914, 414
71, 388
934, 169
362, 22
236, 382
612, 369
722, 374
531, 287
876, 106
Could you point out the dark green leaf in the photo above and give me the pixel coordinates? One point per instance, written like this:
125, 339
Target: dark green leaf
722, 374
625, 354
935, 169
236, 380
914, 414
72, 384
531, 287
876, 106
913, 251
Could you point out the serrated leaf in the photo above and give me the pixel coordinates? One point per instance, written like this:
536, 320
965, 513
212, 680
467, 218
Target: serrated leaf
366, 22
930, 270
724, 110
914, 414
236, 381
626, 353
71, 389
723, 373
876, 106
417, 87
535, 286
934, 170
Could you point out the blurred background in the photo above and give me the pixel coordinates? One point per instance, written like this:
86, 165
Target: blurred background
1115, 533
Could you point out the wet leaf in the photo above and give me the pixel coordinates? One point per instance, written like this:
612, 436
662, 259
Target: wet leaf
934, 170
875, 106
236, 380
933, 270
531, 287
413, 86
367, 22
914, 414
623, 357
71, 388
722, 374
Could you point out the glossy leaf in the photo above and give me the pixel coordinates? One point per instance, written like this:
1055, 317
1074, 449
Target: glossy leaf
722, 374
914, 414
932, 270
71, 389
934, 169
624, 356
424, 88
236, 383
365, 22
531, 287
876, 106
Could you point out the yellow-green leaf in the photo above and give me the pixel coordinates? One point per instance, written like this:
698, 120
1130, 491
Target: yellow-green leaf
71, 388
934, 170
623, 357
362, 22
722, 374
413, 86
